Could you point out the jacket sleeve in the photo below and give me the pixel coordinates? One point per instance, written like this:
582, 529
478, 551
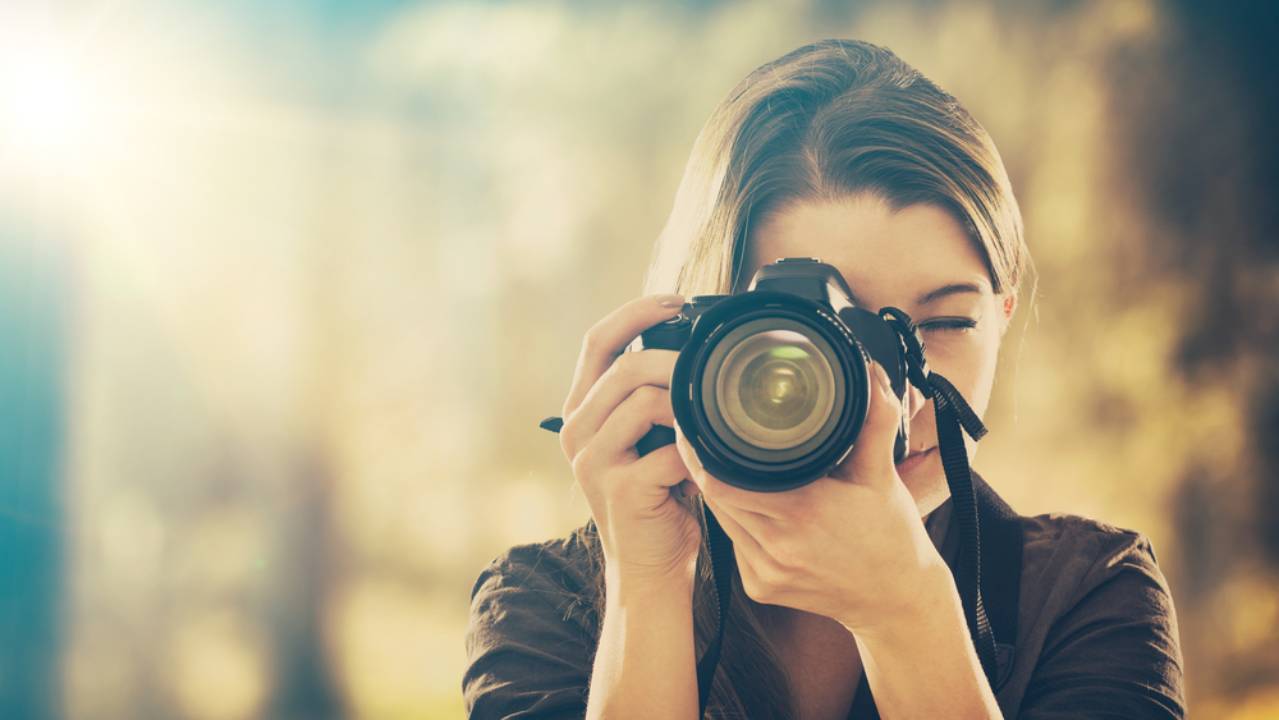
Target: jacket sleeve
528, 653
1115, 653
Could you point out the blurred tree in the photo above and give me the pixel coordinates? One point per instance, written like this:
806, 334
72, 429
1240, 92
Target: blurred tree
1196, 120
35, 280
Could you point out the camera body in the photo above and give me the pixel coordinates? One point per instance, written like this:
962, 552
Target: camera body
772, 385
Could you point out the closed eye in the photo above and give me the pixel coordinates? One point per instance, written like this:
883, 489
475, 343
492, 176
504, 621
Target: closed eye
957, 324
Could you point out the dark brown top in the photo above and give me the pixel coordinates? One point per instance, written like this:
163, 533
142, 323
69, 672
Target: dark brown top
1097, 633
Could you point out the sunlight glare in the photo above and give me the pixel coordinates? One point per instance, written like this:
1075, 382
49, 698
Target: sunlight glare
47, 106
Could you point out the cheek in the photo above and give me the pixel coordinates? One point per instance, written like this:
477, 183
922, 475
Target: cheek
968, 362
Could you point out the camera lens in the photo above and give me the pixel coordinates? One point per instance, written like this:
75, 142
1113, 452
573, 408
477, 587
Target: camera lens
771, 391
776, 389
771, 386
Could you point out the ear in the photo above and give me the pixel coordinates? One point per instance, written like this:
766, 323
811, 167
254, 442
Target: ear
1008, 303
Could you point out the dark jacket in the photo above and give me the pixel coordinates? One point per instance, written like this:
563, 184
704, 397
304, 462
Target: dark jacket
1096, 633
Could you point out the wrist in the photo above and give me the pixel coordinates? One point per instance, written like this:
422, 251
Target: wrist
924, 664
933, 605
642, 590
645, 664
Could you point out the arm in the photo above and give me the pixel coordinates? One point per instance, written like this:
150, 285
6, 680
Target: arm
528, 659
649, 541
923, 664
645, 665
525, 659
1115, 653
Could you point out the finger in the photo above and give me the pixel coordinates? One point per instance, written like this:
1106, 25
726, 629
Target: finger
687, 488
648, 477
731, 521
770, 505
753, 562
871, 460
629, 372
664, 466
643, 408
691, 460
610, 336
762, 528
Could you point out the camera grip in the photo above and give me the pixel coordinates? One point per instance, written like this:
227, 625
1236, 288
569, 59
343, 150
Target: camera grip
668, 335
657, 436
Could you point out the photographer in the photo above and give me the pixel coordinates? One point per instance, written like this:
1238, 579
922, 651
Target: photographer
845, 602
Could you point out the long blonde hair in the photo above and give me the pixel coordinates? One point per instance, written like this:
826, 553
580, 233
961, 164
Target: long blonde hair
827, 120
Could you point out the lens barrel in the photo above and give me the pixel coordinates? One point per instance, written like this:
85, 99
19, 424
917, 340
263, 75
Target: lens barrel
770, 389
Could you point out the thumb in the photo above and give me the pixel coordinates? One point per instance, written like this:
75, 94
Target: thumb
871, 460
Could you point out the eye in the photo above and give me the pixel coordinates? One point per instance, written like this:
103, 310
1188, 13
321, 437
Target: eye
952, 324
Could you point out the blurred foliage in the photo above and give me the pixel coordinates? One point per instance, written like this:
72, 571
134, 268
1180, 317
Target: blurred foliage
287, 286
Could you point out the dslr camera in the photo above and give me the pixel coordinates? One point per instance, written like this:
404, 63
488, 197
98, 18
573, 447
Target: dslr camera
772, 385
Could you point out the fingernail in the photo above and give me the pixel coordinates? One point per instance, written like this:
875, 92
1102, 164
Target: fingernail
670, 301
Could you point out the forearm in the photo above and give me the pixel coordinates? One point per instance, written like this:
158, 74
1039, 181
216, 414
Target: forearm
645, 664
926, 665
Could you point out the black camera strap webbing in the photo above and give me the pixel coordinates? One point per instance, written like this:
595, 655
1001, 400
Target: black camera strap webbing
720, 549
952, 414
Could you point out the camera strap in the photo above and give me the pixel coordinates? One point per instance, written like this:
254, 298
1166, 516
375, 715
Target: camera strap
954, 417
953, 413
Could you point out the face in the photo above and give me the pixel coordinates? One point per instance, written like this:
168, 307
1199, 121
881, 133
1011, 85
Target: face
918, 259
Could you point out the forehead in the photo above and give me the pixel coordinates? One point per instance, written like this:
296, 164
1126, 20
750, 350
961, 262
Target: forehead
886, 256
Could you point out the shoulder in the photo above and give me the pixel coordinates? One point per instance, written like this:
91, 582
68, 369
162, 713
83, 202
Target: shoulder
532, 630
1058, 538
1061, 551
552, 579
1097, 620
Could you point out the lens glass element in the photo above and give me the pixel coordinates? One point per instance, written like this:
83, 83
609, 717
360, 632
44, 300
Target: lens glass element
776, 389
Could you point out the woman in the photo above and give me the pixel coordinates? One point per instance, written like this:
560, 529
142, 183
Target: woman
844, 602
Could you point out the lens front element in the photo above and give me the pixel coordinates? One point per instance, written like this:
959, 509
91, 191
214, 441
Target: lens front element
771, 390
777, 390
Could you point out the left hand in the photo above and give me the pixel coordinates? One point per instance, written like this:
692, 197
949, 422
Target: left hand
850, 546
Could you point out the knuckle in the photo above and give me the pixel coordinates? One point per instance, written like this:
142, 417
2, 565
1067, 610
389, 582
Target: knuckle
758, 589
796, 507
568, 439
581, 463
768, 537
649, 397
616, 372
771, 577
661, 400
593, 342
784, 552
750, 582
627, 367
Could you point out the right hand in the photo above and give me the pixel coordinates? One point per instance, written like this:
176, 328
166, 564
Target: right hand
647, 535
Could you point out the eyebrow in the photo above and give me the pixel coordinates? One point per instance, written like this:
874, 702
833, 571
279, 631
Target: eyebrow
933, 295
948, 290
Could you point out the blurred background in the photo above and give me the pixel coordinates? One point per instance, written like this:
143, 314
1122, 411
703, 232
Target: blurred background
285, 287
